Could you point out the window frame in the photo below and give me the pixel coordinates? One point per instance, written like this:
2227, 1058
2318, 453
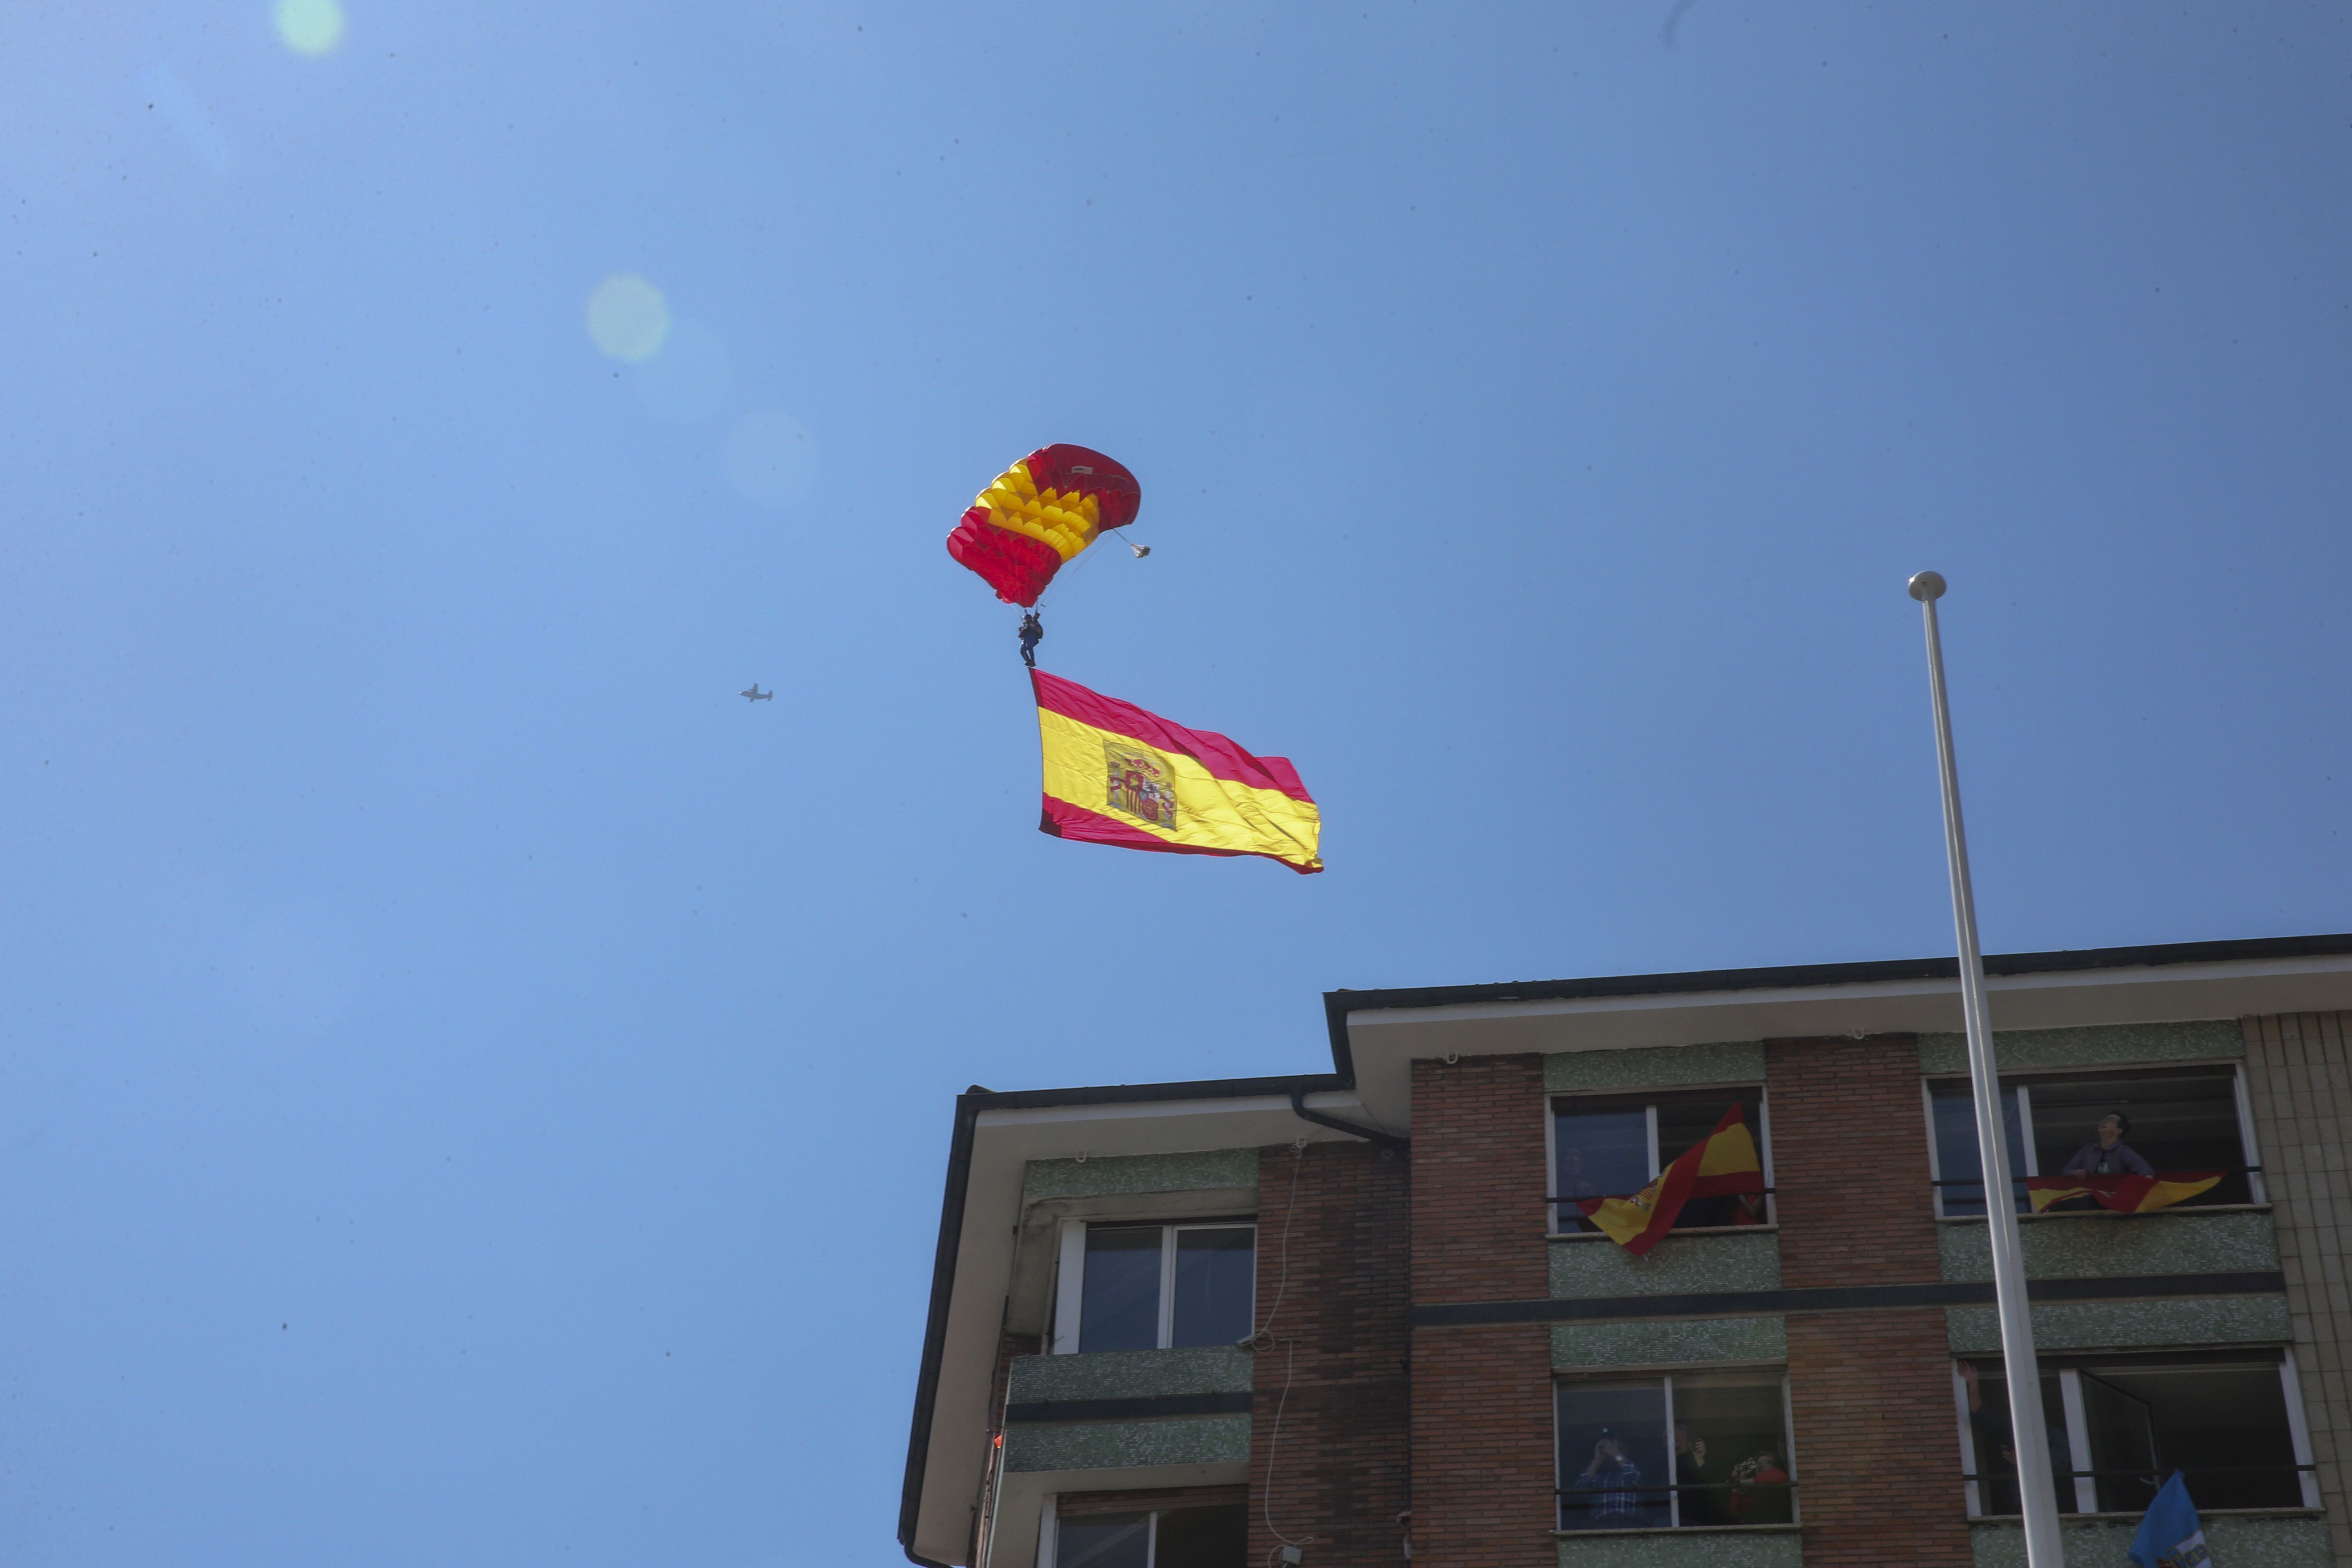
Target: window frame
2069, 1368
2021, 1084
1666, 1378
1049, 1530
1070, 1274
1762, 1131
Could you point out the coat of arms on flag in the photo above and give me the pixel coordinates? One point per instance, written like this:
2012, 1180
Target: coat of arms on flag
1138, 786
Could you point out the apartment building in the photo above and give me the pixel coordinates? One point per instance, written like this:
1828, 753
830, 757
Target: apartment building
1351, 1318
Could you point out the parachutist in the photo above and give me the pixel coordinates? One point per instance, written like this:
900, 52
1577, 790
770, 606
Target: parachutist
1032, 632
1141, 550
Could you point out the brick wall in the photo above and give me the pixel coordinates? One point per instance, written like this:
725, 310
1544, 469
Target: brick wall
1482, 1419
2299, 1079
1879, 1461
1337, 1471
1478, 1180
1878, 1455
1482, 1447
1849, 1161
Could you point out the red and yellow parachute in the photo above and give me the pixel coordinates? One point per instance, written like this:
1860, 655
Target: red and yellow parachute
1040, 512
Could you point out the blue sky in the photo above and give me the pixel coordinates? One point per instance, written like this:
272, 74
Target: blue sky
474, 1090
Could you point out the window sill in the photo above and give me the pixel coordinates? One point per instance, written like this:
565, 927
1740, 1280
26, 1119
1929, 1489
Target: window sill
2134, 1518
1721, 1528
2109, 1214
1690, 1230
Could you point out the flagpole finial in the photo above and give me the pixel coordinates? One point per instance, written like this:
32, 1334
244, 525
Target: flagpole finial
1927, 587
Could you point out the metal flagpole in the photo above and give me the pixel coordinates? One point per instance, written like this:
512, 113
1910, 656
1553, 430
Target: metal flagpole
2036, 1487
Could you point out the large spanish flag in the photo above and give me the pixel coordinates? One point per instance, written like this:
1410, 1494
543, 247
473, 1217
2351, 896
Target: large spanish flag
2125, 1194
1117, 774
1721, 1164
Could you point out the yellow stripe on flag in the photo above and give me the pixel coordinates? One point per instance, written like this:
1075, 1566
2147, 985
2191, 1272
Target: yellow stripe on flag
1730, 1152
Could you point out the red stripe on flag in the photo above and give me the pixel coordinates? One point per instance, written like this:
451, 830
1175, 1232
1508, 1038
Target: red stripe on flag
1214, 751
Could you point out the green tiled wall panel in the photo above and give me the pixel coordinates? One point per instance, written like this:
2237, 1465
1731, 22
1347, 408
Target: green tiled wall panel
1678, 1265
2101, 1246
1113, 1173
1684, 1548
1131, 1375
2022, 1050
2126, 1325
1575, 1345
1124, 1445
2237, 1541
1655, 1067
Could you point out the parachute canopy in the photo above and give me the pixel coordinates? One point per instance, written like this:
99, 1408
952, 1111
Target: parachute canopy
1039, 513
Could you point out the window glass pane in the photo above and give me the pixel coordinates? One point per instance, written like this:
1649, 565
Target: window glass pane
1598, 1151
1994, 1463
1684, 1121
1108, 1541
1120, 1306
1203, 1537
1955, 1148
2179, 1121
1216, 1284
2225, 1425
1731, 1464
1613, 1455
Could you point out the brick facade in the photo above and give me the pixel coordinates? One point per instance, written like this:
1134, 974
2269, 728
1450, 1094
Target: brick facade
1850, 1166
1482, 1449
1478, 1180
1482, 1416
1336, 1469
1879, 1461
2299, 1080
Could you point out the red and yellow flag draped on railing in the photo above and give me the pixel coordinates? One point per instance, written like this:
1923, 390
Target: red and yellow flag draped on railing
1722, 1164
1117, 774
2125, 1194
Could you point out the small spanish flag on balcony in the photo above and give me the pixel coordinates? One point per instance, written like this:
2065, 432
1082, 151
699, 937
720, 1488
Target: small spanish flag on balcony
2125, 1194
1117, 774
1721, 1164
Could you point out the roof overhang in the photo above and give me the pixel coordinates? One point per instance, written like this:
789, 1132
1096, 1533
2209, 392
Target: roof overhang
1377, 1034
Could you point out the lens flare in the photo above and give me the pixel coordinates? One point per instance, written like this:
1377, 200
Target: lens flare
770, 460
311, 26
628, 318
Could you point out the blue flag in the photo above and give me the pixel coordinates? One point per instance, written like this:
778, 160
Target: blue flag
2169, 1535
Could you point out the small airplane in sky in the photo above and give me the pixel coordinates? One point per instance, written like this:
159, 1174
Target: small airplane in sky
753, 694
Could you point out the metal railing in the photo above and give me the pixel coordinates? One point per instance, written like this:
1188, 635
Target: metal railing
2152, 1478
2020, 1181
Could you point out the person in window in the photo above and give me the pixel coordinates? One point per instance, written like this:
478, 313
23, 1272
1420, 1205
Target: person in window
1700, 1484
2108, 1154
1760, 1490
1615, 1477
1997, 1449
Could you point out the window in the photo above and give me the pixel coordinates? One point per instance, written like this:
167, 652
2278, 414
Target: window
1156, 1287
1659, 1453
2182, 1119
1611, 1146
2118, 1425
1166, 1538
